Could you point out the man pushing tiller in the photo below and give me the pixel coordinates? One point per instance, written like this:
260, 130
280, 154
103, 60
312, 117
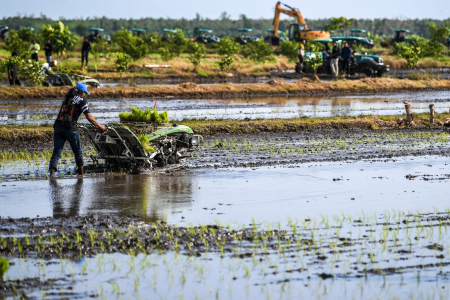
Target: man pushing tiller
65, 127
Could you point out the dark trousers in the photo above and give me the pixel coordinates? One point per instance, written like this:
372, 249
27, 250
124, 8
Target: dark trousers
84, 56
61, 135
346, 66
34, 56
14, 81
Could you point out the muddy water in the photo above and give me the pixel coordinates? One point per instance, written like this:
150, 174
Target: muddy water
44, 111
265, 193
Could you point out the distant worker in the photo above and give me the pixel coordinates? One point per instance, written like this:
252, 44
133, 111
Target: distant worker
325, 51
47, 67
346, 54
334, 56
301, 53
85, 52
65, 127
13, 76
48, 51
34, 50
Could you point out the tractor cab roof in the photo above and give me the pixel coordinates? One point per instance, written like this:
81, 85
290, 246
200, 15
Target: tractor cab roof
402, 30
271, 30
245, 29
358, 30
30, 28
170, 30
138, 30
205, 30
96, 29
348, 38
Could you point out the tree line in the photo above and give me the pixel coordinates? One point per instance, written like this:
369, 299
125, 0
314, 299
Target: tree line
223, 26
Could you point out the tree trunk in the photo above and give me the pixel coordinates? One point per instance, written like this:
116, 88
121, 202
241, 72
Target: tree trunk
409, 115
431, 114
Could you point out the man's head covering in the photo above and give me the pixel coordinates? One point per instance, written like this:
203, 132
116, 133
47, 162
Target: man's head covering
82, 87
54, 62
14, 53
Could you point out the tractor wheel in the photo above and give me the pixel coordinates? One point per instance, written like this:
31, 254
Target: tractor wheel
368, 72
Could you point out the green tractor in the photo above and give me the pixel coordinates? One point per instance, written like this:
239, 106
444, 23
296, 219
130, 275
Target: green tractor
98, 33
270, 36
205, 36
64, 79
369, 65
244, 38
3, 31
168, 34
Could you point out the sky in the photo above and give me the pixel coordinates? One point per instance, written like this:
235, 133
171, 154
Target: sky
55, 9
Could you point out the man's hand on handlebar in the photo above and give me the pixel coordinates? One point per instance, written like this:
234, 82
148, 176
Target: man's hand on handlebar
102, 127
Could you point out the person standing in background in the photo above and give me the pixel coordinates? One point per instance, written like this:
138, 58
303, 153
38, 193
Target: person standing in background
85, 52
346, 54
334, 56
34, 50
13, 76
48, 51
301, 53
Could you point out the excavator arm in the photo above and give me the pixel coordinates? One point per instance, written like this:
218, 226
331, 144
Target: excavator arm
290, 11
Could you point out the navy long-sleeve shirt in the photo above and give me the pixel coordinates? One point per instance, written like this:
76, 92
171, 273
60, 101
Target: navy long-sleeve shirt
346, 53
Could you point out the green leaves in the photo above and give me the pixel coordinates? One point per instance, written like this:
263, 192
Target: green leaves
225, 63
439, 34
122, 61
338, 23
4, 266
60, 36
134, 46
196, 53
228, 47
14, 42
410, 52
313, 62
258, 51
290, 49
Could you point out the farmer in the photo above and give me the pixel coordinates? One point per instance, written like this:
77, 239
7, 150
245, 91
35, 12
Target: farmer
301, 53
85, 52
65, 127
47, 67
13, 76
34, 50
48, 51
334, 56
346, 54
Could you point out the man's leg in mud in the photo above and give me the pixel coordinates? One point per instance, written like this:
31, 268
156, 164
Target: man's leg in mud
58, 144
75, 143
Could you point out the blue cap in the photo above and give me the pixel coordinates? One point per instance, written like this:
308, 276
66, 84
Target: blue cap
82, 87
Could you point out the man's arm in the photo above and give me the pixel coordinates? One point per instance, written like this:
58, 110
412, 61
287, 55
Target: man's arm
92, 120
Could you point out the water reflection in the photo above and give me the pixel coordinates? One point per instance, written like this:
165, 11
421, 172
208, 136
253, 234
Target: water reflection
152, 196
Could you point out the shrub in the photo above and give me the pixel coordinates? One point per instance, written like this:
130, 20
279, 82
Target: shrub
14, 42
165, 53
228, 47
313, 62
196, 53
410, 52
290, 49
258, 51
122, 61
225, 63
60, 36
134, 46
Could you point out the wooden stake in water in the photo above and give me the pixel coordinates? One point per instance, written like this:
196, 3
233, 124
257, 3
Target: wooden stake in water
431, 113
409, 115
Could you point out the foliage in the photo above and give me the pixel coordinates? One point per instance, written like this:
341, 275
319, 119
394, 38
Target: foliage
290, 49
428, 48
225, 63
153, 40
228, 46
165, 53
4, 266
132, 45
147, 116
439, 34
28, 35
13, 42
28, 70
100, 48
258, 51
196, 52
338, 23
314, 61
410, 52
177, 43
122, 61
60, 36
145, 142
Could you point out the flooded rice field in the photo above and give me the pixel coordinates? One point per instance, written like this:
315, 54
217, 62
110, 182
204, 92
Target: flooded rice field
338, 214
15, 112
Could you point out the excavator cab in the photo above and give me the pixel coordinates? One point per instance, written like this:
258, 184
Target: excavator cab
295, 32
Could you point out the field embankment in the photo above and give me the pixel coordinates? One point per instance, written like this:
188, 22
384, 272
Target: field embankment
44, 134
277, 87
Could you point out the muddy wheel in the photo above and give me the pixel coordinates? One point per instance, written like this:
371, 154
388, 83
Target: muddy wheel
368, 72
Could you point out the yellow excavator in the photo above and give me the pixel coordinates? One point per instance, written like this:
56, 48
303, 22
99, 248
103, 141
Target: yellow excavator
297, 31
